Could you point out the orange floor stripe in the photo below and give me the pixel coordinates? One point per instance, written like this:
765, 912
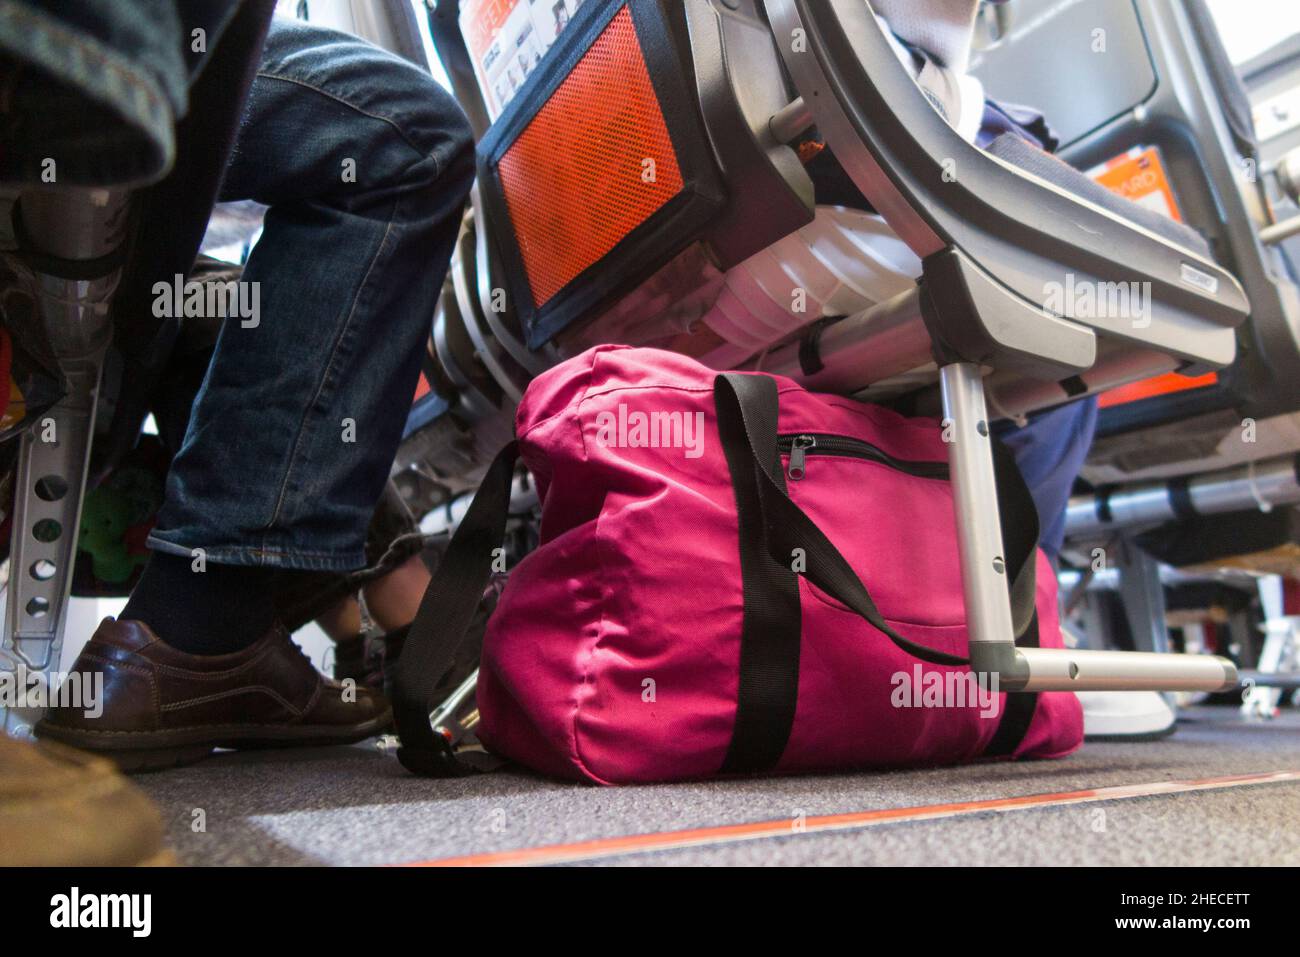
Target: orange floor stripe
728, 834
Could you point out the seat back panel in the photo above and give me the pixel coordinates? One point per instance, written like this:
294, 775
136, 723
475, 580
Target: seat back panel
573, 196
599, 171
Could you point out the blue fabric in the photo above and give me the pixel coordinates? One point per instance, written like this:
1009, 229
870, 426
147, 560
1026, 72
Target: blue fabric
833, 187
1025, 121
1050, 452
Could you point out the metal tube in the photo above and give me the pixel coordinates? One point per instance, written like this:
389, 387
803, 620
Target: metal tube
1259, 485
1107, 579
1013, 394
443, 716
75, 223
1271, 235
1061, 669
53, 457
886, 340
1254, 485
974, 492
1268, 679
791, 120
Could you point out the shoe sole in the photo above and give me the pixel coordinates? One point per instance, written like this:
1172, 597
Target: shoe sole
140, 751
1118, 738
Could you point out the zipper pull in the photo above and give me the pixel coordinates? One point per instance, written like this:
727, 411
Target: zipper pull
798, 450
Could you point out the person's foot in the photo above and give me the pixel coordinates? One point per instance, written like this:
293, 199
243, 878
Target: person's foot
1125, 715
163, 707
62, 808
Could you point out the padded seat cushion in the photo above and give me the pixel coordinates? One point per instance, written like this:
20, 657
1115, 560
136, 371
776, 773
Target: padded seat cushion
834, 188
1014, 150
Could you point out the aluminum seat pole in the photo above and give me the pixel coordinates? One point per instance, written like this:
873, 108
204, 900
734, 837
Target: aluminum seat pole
975, 500
54, 455
988, 600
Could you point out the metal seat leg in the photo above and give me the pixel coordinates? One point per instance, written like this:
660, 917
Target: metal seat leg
1143, 595
55, 455
988, 606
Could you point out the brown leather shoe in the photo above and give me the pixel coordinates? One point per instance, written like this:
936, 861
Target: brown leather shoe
62, 808
163, 707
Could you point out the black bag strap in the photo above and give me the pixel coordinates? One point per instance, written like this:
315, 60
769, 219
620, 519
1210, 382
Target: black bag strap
747, 409
442, 625
771, 620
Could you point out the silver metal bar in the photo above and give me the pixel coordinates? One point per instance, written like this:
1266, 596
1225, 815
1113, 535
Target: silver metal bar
886, 340
1254, 485
1271, 235
1013, 394
1143, 597
791, 120
1107, 579
1287, 173
488, 349
988, 604
443, 717
1061, 669
1277, 663
1269, 680
74, 223
974, 492
54, 456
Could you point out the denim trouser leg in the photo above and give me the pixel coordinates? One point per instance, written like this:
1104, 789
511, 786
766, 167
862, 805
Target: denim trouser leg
365, 162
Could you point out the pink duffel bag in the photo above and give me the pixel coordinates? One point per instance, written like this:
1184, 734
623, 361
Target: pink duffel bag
735, 575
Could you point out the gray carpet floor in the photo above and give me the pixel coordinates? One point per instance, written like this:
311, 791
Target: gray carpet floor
357, 806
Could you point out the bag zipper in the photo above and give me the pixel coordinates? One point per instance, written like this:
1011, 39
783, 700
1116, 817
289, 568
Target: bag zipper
799, 447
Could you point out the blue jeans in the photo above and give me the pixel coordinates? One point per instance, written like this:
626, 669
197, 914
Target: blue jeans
294, 430
365, 163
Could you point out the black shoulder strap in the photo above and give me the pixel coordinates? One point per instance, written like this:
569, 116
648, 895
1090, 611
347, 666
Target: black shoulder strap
771, 620
442, 623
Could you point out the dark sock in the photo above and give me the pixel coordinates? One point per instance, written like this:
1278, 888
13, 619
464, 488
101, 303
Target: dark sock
213, 612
